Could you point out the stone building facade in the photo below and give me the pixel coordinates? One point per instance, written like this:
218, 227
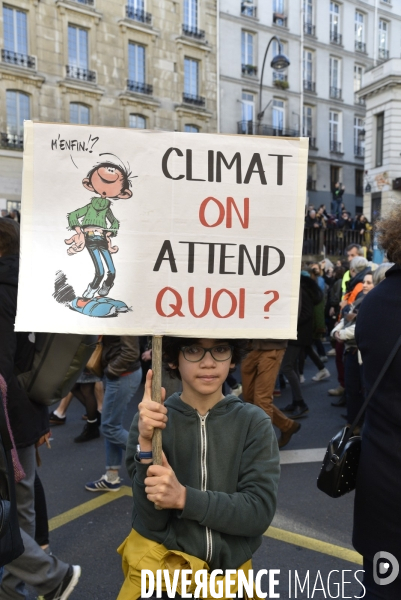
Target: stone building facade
117, 63
382, 93
330, 44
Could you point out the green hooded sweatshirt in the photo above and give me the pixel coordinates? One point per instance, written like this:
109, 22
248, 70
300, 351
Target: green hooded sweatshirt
96, 213
229, 463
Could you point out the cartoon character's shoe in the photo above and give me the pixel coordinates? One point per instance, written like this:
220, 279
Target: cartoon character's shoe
89, 292
105, 288
98, 307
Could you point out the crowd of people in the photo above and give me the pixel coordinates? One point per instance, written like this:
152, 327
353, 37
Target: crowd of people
204, 502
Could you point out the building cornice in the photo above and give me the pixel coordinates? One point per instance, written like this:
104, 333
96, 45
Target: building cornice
131, 25
134, 99
64, 5
25, 76
376, 87
87, 89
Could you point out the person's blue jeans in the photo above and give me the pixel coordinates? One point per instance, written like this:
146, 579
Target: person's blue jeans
117, 395
97, 247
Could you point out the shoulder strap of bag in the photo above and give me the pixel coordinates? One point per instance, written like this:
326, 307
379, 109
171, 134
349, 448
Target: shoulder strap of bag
374, 388
5, 436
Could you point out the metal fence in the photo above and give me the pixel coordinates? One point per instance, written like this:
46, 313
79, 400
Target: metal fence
332, 242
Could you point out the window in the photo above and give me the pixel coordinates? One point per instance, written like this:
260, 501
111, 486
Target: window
191, 13
18, 110
335, 131
79, 114
360, 45
335, 78
136, 63
191, 77
379, 139
77, 47
137, 121
307, 120
278, 7
358, 183
309, 84
335, 176
309, 28
278, 117
248, 8
135, 9
248, 107
247, 53
359, 130
383, 39
191, 129
15, 30
358, 72
278, 13
335, 35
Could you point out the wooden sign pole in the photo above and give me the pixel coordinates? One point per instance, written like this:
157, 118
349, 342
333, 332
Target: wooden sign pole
156, 394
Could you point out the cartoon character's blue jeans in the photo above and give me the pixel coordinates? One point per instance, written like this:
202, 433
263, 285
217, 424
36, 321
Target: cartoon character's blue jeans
117, 395
97, 247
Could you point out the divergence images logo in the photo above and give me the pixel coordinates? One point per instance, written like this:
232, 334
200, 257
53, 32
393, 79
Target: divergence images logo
385, 568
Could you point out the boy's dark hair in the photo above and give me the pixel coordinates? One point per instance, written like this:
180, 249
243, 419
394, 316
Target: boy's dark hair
9, 237
172, 346
126, 184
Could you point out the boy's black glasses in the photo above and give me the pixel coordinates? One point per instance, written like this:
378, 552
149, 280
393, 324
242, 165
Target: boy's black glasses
197, 353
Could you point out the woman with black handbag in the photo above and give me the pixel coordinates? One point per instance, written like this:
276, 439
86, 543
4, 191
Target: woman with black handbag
377, 514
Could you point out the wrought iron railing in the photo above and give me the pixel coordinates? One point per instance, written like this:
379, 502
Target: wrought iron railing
193, 99
359, 151
309, 29
360, 46
248, 10
13, 141
140, 87
18, 59
280, 20
81, 74
335, 93
309, 86
335, 147
254, 128
359, 100
87, 2
384, 54
193, 32
311, 185
336, 38
137, 14
332, 242
250, 70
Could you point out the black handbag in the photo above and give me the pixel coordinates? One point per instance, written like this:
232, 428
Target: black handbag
11, 545
340, 464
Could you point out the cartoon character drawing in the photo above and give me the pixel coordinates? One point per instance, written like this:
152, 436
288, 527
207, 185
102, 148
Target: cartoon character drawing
95, 223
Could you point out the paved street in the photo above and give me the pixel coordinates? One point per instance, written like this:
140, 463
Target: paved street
310, 532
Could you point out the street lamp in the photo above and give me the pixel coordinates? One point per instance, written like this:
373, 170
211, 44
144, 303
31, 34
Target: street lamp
278, 63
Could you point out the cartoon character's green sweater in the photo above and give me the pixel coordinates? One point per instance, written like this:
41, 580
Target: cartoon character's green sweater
96, 213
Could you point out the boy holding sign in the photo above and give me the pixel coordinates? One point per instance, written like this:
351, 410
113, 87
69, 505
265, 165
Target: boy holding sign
218, 482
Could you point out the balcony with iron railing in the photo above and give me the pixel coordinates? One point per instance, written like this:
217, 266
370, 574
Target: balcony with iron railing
137, 14
384, 54
312, 142
336, 38
335, 147
81, 74
309, 29
87, 2
279, 19
360, 46
309, 86
12, 141
17, 59
193, 32
248, 9
250, 70
358, 100
193, 99
280, 80
359, 151
140, 87
335, 93
254, 128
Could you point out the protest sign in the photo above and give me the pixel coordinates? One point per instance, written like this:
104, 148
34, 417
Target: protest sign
145, 232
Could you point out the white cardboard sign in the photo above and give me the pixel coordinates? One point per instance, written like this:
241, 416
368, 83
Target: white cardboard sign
133, 232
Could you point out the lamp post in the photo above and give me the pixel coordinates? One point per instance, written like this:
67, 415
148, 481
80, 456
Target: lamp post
278, 63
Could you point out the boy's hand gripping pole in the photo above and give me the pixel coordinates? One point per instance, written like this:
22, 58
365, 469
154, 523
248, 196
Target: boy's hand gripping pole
156, 396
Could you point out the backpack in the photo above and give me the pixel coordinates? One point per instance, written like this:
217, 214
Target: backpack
54, 361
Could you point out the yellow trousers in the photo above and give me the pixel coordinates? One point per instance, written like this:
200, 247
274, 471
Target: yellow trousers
140, 553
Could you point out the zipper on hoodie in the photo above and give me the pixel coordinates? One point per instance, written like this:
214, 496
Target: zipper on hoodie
209, 541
